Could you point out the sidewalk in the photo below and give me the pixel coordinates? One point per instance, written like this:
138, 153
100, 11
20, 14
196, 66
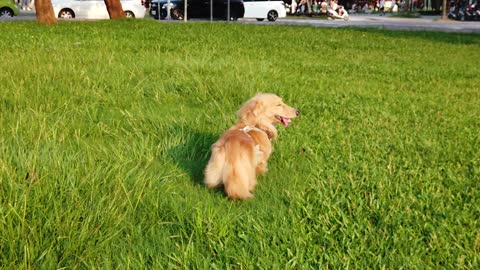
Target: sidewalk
426, 23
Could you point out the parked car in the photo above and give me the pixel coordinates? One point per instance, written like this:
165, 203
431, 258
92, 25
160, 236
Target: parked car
264, 9
94, 9
8, 8
198, 9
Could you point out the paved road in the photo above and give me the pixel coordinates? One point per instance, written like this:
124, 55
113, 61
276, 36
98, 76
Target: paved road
427, 23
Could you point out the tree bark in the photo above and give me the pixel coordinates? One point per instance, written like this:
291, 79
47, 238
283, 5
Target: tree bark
44, 11
114, 8
444, 10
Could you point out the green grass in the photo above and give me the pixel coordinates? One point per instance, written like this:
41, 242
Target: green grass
105, 128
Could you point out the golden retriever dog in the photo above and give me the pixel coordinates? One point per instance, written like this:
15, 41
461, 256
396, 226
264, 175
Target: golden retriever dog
243, 150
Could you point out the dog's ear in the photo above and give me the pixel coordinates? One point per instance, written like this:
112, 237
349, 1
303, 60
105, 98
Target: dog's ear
250, 111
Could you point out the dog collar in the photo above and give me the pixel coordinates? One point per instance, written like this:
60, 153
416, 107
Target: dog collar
247, 129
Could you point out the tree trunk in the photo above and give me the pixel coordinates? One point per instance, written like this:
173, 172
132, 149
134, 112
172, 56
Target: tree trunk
444, 10
114, 8
44, 11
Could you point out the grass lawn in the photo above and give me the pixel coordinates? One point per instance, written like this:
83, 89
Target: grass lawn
105, 128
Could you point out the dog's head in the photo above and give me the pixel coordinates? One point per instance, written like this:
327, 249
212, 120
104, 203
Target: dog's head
264, 110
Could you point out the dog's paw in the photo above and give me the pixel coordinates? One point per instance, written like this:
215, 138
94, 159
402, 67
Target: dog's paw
242, 197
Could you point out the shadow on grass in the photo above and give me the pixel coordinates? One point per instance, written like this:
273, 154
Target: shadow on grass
192, 155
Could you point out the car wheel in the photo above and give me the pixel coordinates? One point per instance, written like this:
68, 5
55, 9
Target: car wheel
177, 14
260, 19
6, 12
233, 16
66, 14
129, 14
272, 15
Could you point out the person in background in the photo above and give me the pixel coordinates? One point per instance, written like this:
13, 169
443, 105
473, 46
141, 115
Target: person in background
25, 5
315, 6
394, 7
365, 7
302, 6
338, 8
31, 6
382, 7
293, 7
324, 7
354, 8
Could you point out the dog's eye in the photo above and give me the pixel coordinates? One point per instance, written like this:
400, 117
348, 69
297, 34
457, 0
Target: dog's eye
279, 104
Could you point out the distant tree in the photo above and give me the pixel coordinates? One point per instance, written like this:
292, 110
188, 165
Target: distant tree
444, 10
44, 11
114, 8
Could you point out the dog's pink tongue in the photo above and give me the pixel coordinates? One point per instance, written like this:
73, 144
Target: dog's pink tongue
286, 121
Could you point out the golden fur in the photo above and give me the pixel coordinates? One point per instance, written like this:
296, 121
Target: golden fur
243, 150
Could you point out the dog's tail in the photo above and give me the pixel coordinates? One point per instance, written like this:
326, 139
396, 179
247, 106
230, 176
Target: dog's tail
239, 174
235, 169
214, 170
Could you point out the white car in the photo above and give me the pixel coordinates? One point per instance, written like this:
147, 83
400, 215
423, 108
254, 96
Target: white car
94, 9
260, 10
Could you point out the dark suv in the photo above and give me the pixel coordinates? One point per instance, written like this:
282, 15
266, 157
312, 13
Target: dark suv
198, 9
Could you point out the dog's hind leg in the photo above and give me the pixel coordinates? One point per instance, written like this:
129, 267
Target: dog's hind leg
239, 178
237, 186
214, 170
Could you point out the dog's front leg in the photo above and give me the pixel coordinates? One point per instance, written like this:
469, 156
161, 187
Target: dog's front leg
261, 168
